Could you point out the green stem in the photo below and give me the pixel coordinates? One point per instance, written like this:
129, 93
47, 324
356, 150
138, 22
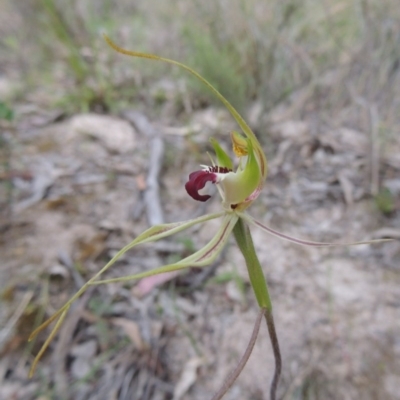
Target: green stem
245, 242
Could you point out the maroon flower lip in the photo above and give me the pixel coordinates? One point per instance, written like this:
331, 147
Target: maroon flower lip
198, 179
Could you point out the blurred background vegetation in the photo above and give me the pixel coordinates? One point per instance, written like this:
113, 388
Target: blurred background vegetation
248, 49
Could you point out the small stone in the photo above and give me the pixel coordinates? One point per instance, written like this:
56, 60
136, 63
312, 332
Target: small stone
117, 135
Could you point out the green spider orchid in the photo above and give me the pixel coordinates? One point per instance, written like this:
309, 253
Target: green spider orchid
238, 190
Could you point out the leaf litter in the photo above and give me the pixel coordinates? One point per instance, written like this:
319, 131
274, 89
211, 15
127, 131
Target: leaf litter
337, 310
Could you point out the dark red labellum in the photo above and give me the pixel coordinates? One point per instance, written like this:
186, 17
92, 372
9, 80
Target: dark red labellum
198, 179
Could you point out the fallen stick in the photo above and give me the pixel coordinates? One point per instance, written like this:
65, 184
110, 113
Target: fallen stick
151, 195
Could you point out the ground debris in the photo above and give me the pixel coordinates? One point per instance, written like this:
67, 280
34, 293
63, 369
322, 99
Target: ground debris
78, 189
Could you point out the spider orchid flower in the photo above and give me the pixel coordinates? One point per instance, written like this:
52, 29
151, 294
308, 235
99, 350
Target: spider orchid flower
238, 189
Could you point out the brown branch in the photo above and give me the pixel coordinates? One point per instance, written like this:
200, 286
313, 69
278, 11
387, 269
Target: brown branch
156, 150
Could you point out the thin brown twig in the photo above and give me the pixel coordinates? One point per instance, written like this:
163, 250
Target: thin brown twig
151, 195
230, 380
6, 332
63, 345
374, 131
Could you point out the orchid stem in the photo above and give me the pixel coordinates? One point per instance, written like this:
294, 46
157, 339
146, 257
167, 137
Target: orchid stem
239, 368
244, 240
277, 353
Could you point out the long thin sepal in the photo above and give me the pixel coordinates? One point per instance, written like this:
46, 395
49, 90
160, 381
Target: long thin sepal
304, 242
200, 258
241, 122
47, 342
150, 235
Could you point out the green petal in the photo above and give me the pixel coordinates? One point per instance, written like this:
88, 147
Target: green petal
223, 160
240, 185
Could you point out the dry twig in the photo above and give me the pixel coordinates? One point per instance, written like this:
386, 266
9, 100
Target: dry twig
63, 345
151, 195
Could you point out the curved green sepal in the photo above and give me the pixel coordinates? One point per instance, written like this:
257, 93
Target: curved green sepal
200, 258
241, 122
150, 235
48, 341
